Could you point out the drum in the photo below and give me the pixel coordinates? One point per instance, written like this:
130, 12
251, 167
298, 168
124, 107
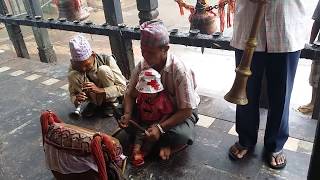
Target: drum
72, 152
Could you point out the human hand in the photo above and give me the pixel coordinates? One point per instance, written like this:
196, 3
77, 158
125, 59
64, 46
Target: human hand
80, 97
90, 86
124, 121
153, 133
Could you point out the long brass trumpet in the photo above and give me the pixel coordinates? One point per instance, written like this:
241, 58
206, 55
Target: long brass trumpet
237, 94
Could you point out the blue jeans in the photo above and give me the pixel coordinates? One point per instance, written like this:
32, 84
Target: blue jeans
280, 71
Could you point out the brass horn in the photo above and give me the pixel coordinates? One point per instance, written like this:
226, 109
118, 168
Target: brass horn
237, 94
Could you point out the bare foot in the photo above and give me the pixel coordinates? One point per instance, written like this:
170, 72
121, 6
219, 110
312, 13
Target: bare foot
306, 109
238, 152
165, 153
277, 160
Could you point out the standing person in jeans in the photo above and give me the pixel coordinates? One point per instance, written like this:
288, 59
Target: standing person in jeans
315, 66
280, 38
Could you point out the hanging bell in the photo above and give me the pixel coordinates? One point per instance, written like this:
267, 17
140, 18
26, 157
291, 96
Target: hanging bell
72, 10
202, 19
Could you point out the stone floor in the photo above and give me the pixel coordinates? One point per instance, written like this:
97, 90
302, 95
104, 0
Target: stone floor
29, 87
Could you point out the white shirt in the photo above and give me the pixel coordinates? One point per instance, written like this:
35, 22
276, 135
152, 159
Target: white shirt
283, 28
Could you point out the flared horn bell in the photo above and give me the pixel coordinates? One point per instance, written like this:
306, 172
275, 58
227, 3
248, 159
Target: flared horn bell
237, 94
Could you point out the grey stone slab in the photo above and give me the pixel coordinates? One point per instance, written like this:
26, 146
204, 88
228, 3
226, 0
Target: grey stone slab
7, 56
302, 127
296, 169
208, 155
212, 147
22, 102
210, 106
22, 99
22, 155
225, 111
22, 147
221, 125
229, 113
58, 71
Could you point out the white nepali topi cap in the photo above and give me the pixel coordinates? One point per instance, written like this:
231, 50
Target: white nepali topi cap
149, 81
153, 34
80, 48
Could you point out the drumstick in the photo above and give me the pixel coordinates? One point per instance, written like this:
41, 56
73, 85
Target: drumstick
139, 127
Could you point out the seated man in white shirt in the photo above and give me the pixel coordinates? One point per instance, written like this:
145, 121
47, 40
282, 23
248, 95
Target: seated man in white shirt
177, 130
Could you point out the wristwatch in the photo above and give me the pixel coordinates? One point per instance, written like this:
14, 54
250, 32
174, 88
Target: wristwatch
160, 129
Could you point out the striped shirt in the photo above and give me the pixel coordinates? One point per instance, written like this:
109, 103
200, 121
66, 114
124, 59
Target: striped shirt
283, 28
177, 80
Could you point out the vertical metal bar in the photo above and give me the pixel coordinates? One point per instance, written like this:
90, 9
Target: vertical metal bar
18, 5
316, 108
11, 7
121, 48
147, 10
313, 172
45, 48
15, 34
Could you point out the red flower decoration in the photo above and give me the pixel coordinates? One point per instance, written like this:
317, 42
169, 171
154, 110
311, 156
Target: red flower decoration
153, 83
148, 73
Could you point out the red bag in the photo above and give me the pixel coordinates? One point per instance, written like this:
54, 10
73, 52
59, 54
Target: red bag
106, 150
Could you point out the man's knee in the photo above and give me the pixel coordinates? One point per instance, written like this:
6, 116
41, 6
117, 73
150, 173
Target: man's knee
105, 72
181, 134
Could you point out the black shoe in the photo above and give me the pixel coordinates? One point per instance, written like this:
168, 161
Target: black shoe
108, 108
107, 111
118, 112
89, 110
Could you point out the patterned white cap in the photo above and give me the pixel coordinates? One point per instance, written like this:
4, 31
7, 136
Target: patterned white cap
80, 48
154, 34
149, 81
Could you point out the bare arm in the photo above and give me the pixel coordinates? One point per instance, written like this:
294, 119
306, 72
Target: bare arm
164, 117
129, 100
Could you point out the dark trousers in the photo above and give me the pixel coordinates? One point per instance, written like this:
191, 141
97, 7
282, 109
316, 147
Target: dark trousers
181, 134
280, 71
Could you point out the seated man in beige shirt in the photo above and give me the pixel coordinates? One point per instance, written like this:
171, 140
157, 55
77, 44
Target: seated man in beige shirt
93, 78
177, 131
